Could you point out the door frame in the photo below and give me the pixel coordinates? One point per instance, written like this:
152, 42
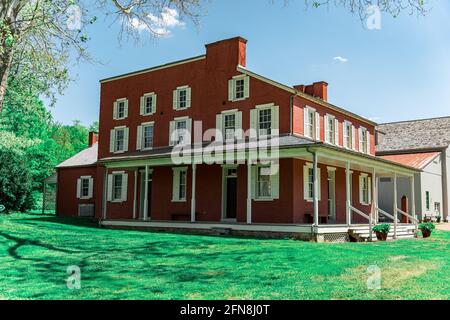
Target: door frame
225, 169
142, 191
331, 173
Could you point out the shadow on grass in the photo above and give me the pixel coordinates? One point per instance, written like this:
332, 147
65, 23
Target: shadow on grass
77, 222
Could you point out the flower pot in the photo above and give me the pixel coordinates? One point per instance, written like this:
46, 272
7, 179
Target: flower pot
381, 236
426, 233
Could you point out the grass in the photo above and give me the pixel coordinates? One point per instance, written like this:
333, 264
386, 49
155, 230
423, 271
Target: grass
35, 252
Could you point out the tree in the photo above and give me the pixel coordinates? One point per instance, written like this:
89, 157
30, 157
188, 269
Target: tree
45, 34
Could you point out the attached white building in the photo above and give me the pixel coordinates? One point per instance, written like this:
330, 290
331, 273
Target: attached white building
422, 144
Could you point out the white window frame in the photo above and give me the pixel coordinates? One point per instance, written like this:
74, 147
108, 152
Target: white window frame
111, 187
332, 130
144, 104
173, 130
232, 84
220, 124
176, 98
80, 188
113, 140
347, 137
140, 142
311, 113
363, 146
275, 122
176, 183
307, 183
116, 109
364, 177
274, 180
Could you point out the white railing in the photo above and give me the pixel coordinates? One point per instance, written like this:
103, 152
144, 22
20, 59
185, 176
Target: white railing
384, 213
410, 217
368, 217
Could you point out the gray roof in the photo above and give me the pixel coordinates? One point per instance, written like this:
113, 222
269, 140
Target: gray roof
414, 135
87, 157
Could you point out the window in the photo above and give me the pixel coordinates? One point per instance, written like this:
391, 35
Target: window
182, 98
145, 136
437, 208
180, 131
85, 187
365, 189
120, 109
308, 182
311, 123
330, 129
148, 104
427, 200
179, 185
229, 125
263, 182
239, 88
117, 186
348, 135
363, 140
265, 122
119, 140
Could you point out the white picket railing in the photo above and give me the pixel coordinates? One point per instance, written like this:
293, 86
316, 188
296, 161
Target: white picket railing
368, 217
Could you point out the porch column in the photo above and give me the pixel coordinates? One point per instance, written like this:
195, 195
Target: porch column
395, 207
374, 196
146, 194
105, 193
194, 178
249, 191
348, 194
413, 198
135, 193
315, 190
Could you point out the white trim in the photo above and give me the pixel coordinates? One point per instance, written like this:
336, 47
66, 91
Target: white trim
232, 88
143, 104
176, 184
306, 167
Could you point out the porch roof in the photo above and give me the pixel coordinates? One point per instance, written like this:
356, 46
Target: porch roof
415, 160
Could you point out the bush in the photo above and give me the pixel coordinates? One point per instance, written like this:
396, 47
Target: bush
382, 228
427, 226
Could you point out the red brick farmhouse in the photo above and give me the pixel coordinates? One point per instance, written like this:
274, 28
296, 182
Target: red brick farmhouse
324, 186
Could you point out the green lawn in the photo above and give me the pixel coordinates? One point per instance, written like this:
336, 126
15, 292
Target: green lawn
36, 251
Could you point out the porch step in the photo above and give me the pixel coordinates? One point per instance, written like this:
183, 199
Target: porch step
362, 234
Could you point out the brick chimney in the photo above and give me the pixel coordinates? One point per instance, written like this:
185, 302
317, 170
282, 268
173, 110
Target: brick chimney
227, 54
317, 89
93, 138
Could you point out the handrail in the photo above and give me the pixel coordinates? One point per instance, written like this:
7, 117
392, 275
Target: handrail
414, 219
384, 213
360, 212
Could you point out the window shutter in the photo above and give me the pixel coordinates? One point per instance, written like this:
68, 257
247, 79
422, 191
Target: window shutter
91, 188
368, 143
305, 122
253, 182
353, 138
78, 188
175, 99
336, 132
176, 185
306, 183
247, 87
369, 187
361, 141
110, 187
254, 122
344, 135
189, 131
112, 141
219, 127
155, 100
126, 134
142, 112
124, 187
317, 126
171, 132
239, 125
275, 118
115, 111
231, 90
188, 97
361, 190
327, 128
139, 138
275, 183
126, 109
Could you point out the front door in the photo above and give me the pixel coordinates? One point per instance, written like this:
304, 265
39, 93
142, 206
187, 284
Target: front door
331, 196
142, 196
230, 194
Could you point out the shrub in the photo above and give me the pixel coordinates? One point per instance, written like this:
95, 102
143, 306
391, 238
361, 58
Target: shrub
427, 226
382, 228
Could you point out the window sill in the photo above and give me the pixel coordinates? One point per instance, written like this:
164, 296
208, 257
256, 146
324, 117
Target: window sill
148, 114
118, 152
147, 149
85, 198
237, 100
264, 199
179, 201
181, 109
117, 201
119, 119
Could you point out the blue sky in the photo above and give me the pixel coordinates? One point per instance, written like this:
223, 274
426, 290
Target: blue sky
397, 73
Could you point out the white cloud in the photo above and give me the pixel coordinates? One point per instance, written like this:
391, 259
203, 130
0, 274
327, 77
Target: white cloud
161, 25
340, 59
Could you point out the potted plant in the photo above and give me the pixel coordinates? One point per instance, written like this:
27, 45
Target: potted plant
382, 231
427, 228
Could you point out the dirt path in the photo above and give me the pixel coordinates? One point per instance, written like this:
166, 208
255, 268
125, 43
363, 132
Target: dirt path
443, 227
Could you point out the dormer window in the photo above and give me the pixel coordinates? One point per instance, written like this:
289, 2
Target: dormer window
239, 88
